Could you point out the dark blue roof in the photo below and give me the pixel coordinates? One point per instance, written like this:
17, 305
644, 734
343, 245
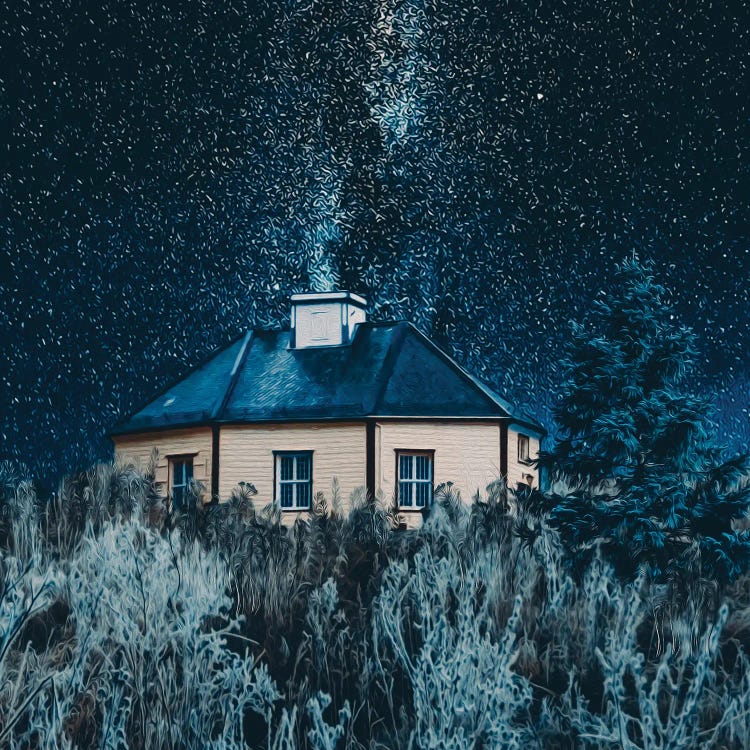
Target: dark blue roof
389, 370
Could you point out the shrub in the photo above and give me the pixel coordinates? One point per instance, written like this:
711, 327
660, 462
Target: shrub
218, 627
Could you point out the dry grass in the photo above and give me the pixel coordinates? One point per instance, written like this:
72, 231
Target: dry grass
122, 626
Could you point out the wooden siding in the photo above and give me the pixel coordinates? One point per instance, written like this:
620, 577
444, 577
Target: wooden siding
466, 453
246, 455
516, 469
197, 441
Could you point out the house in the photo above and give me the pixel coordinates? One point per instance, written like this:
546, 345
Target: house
375, 405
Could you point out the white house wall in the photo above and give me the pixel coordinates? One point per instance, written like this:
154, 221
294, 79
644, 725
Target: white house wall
247, 455
466, 453
195, 442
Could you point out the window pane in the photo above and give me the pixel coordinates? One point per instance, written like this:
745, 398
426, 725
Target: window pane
287, 467
303, 467
303, 495
405, 493
523, 448
405, 467
423, 494
286, 495
182, 473
294, 480
423, 467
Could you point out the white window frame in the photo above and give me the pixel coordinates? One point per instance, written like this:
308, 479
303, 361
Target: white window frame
294, 482
412, 481
173, 462
524, 440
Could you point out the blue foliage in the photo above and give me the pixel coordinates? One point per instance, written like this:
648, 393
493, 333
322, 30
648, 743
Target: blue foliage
637, 471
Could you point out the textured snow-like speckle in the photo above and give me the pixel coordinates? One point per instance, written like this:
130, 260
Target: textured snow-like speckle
170, 176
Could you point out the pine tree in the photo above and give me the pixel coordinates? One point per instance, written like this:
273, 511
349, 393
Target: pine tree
642, 477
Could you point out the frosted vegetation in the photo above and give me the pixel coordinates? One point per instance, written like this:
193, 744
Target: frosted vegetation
123, 626
610, 611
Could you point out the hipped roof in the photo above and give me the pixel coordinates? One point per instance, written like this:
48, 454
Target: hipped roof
389, 370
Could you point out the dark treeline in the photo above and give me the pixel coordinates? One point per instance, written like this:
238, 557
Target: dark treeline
637, 471
171, 175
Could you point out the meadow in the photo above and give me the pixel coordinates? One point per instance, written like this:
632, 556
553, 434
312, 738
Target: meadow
126, 625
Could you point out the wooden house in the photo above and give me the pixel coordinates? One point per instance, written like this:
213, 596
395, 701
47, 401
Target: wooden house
375, 405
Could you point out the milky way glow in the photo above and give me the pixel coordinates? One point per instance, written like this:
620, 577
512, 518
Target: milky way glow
170, 176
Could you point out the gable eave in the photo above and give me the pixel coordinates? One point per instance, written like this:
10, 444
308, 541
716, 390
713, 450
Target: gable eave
135, 423
473, 383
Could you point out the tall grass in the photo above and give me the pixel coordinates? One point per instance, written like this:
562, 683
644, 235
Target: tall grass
124, 626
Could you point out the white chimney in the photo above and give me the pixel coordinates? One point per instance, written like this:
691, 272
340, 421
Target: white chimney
325, 318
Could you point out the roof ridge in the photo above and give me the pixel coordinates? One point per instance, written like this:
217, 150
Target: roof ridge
239, 361
389, 363
465, 374
511, 410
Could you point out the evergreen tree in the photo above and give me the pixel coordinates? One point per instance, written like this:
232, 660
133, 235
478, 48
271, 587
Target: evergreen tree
640, 473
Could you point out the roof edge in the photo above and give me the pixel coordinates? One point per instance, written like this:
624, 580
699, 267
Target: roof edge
124, 429
208, 423
467, 376
530, 426
117, 429
234, 375
509, 409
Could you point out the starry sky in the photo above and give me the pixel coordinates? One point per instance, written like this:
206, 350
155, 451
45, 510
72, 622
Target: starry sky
169, 176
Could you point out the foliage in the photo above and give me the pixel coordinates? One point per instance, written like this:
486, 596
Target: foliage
637, 468
125, 628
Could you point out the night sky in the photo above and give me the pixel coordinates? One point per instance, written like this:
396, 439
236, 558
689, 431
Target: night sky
168, 177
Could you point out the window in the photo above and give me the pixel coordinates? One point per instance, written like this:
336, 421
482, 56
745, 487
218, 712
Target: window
181, 472
293, 489
523, 449
414, 470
